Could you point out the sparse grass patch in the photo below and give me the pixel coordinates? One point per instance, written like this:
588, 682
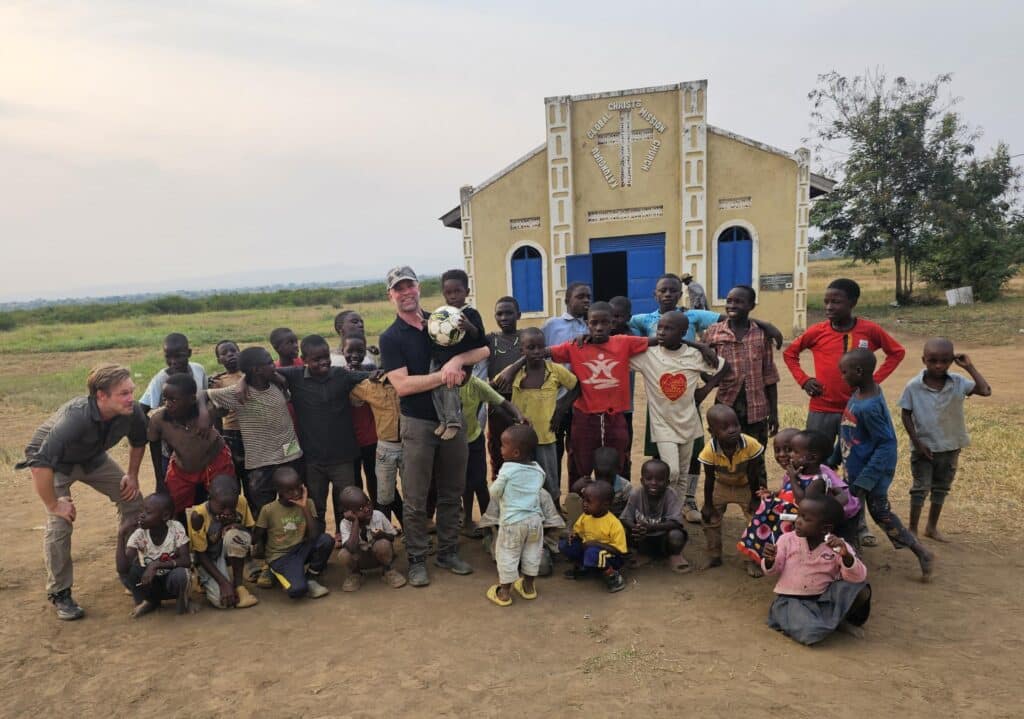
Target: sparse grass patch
635, 662
991, 323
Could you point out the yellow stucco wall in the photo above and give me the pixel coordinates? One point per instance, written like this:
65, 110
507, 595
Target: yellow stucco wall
738, 171
657, 186
520, 194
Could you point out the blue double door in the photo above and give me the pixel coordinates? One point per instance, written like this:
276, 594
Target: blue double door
628, 266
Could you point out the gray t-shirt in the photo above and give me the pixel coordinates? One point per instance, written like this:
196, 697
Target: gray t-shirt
641, 508
939, 414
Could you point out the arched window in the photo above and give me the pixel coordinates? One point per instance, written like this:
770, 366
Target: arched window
527, 279
735, 260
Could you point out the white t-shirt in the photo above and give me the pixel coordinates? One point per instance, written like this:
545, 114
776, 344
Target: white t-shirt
153, 397
670, 378
379, 524
149, 551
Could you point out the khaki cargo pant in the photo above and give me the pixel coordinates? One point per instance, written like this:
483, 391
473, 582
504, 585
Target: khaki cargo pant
106, 479
723, 496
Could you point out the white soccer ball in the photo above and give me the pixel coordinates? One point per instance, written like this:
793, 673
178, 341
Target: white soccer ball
443, 326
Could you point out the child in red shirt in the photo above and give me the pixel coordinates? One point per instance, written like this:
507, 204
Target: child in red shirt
601, 362
828, 341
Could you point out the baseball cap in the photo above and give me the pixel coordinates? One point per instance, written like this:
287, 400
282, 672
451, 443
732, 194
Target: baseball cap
397, 274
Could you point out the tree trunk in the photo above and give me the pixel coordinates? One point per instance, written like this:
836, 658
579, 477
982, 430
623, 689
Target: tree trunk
897, 257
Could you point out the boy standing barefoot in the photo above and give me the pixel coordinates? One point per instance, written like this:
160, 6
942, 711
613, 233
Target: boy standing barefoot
932, 410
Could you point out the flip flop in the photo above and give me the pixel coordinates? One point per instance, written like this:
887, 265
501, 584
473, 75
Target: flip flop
492, 594
868, 540
521, 590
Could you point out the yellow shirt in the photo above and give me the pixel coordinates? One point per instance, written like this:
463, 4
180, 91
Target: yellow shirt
538, 405
383, 400
731, 471
606, 529
200, 539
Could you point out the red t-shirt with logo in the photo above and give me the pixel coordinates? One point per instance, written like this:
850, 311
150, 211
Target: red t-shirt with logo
603, 371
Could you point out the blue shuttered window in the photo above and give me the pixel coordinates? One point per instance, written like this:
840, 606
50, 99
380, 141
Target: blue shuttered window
735, 260
527, 279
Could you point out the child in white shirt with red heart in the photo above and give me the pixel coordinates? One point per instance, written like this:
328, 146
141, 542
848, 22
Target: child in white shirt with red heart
672, 371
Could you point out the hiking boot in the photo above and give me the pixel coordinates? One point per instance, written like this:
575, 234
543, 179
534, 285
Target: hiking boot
615, 582
316, 589
418, 576
67, 608
453, 562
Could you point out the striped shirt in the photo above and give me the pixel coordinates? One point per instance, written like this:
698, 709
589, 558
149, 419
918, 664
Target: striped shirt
267, 429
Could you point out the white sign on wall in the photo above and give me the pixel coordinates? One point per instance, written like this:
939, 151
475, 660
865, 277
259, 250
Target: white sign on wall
624, 138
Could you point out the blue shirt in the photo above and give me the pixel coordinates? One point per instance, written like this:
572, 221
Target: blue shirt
562, 329
646, 324
518, 488
868, 441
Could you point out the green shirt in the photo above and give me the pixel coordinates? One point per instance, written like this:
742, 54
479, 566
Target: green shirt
474, 393
285, 525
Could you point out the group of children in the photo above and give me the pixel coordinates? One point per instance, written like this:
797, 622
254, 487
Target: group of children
291, 435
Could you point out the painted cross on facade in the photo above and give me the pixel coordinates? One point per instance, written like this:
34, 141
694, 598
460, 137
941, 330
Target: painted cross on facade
625, 138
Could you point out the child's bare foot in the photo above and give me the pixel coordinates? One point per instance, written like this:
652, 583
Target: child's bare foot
712, 563
449, 433
934, 533
852, 629
142, 608
927, 561
754, 571
679, 564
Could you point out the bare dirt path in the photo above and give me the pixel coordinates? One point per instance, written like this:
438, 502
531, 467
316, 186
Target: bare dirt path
669, 645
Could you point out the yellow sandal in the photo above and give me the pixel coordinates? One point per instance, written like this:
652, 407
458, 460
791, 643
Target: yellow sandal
492, 594
521, 590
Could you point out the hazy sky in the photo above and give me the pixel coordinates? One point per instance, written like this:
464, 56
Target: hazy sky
150, 141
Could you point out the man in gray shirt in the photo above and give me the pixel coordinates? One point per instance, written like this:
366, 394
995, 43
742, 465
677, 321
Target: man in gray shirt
71, 446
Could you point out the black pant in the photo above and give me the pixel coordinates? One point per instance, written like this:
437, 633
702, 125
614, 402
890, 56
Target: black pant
165, 586
476, 477
290, 570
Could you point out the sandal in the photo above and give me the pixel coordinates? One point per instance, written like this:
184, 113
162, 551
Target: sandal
682, 566
521, 590
867, 539
492, 594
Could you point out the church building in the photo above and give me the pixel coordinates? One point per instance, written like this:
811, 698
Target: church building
629, 185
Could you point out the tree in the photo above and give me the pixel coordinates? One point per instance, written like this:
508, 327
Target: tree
978, 239
905, 152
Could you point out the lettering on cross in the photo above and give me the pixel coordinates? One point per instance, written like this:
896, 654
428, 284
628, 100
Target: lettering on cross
624, 138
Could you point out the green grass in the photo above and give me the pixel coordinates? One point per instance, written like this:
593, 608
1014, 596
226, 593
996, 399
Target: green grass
204, 330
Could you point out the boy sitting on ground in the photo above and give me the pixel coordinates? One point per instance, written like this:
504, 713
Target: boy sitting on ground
366, 540
220, 534
292, 538
606, 468
598, 541
653, 518
152, 557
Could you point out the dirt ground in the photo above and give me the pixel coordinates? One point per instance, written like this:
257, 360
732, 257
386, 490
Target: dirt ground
669, 645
